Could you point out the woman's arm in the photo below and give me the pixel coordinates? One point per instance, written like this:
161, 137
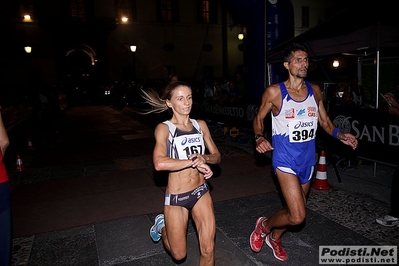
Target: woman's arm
214, 156
161, 161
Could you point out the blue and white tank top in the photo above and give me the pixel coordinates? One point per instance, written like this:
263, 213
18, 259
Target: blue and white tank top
183, 143
294, 130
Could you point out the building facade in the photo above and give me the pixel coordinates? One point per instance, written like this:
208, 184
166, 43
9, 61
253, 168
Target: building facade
87, 43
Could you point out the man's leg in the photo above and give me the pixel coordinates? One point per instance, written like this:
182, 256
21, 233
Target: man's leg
395, 194
293, 214
392, 219
295, 211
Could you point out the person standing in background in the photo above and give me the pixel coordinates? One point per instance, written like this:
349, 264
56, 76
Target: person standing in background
5, 207
392, 218
174, 78
357, 91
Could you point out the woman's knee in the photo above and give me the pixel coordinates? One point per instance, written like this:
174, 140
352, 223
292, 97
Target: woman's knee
178, 254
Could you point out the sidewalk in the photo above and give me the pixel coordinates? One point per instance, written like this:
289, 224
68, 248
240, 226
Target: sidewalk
92, 199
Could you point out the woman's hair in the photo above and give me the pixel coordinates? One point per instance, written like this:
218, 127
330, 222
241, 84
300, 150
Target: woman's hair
158, 103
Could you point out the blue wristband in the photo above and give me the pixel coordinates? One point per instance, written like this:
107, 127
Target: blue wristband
335, 132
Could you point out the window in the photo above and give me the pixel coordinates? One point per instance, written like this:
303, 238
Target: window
127, 9
207, 11
168, 11
77, 10
305, 17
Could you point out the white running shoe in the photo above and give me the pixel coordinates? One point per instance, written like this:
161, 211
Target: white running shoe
155, 230
388, 220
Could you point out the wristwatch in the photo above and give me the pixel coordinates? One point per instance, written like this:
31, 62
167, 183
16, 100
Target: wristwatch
257, 136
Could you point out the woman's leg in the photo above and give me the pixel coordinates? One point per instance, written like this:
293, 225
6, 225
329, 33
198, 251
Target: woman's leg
204, 218
174, 234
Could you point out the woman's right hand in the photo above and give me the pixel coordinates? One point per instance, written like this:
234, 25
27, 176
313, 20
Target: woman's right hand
205, 170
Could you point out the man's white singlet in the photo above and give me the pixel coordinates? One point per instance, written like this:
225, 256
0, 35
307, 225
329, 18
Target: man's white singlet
183, 143
294, 131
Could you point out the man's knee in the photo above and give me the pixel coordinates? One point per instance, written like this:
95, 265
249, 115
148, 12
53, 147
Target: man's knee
297, 218
207, 248
208, 253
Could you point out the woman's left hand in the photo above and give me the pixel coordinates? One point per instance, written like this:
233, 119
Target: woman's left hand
205, 170
197, 159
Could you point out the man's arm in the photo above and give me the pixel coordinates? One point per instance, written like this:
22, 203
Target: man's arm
269, 97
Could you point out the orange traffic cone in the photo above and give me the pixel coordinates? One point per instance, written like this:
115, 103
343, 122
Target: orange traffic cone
30, 145
321, 182
20, 164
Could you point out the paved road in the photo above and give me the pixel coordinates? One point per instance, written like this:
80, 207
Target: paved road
89, 197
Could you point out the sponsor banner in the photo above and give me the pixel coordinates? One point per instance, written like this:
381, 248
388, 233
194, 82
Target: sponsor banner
376, 130
239, 115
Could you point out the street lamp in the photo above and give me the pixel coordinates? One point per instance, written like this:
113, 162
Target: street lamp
27, 18
28, 49
133, 50
335, 63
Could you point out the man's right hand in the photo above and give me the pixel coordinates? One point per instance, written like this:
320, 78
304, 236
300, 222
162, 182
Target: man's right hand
262, 145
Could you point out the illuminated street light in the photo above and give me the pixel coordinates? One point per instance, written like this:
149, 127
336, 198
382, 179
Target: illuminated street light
28, 49
133, 48
335, 63
27, 18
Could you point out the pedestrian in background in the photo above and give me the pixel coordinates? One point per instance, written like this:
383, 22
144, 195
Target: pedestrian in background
180, 145
5, 208
392, 218
296, 108
174, 78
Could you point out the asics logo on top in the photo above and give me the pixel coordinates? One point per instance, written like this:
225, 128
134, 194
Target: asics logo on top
190, 140
303, 124
194, 140
184, 141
